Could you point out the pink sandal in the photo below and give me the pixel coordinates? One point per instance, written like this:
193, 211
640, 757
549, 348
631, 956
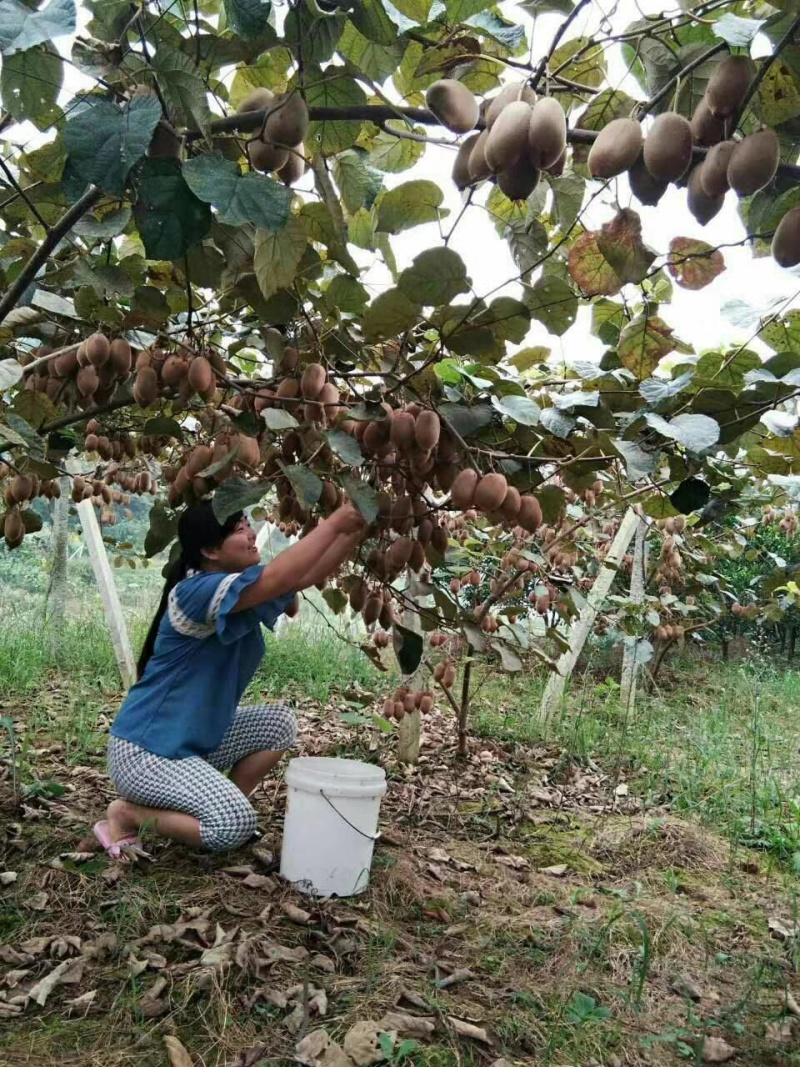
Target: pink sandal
115, 849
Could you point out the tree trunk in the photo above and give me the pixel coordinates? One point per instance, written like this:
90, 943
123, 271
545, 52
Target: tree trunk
463, 712
56, 599
630, 663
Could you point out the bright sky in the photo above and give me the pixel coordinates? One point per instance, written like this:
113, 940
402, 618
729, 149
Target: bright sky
698, 318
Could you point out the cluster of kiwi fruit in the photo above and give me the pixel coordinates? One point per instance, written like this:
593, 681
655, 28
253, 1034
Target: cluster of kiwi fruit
522, 135
187, 481
178, 376
670, 564
785, 520
84, 374
18, 491
278, 145
404, 700
669, 632
745, 611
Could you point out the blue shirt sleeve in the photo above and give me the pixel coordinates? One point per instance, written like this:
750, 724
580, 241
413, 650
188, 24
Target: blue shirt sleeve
203, 604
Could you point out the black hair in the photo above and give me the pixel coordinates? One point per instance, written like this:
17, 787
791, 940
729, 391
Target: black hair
198, 529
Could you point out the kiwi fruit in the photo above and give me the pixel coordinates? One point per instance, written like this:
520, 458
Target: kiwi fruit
329, 398
556, 169
145, 387
508, 137
668, 147
295, 166
477, 166
644, 186
174, 371
445, 474
439, 540
616, 148
401, 432
165, 143
265, 156
490, 492
372, 608
66, 365
87, 381
714, 169
754, 162
530, 514
706, 129
453, 104
448, 676
518, 181
22, 488
144, 359
289, 389
462, 495
200, 376
427, 429
91, 442
460, 173
97, 349
547, 132
121, 355
514, 91
258, 100
702, 206
287, 120
416, 560
80, 353
786, 240
249, 454
13, 529
312, 381
511, 504
728, 85
400, 553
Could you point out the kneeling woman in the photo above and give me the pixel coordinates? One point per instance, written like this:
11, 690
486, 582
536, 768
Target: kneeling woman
181, 725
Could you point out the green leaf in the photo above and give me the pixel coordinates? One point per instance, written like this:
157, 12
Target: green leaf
568, 192
467, 421
161, 425
778, 95
30, 82
552, 302
10, 373
320, 227
162, 531
111, 224
311, 37
277, 256
21, 28
370, 19
169, 217
508, 657
657, 390
395, 154
416, 10
435, 277
238, 198
389, 314
363, 497
236, 494
734, 29
695, 432
519, 408
643, 342
781, 334
346, 295
408, 646
358, 183
529, 357
278, 419
248, 18
375, 61
408, 205
182, 88
333, 87
579, 60
346, 447
104, 141
307, 486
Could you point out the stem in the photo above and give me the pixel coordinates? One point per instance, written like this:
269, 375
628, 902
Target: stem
762, 73
82, 416
42, 253
463, 711
648, 105
562, 29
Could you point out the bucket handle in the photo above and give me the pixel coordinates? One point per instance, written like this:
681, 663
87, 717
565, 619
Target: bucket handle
369, 837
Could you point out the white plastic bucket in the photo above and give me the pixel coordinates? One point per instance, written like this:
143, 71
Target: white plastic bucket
331, 824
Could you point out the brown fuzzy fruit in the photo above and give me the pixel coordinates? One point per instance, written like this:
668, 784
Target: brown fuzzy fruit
295, 166
174, 371
358, 595
258, 100
453, 104
516, 90
449, 676
462, 495
145, 387
714, 169
706, 129
518, 181
287, 120
199, 459
121, 356
372, 608
66, 365
265, 156
401, 433
312, 381
547, 132
426, 703
490, 492
511, 504
728, 85
97, 349
87, 381
417, 559
460, 173
21, 488
200, 376
786, 242
508, 137
477, 167
668, 147
13, 529
427, 429
91, 442
616, 148
703, 207
439, 540
754, 162
644, 186
530, 514
400, 553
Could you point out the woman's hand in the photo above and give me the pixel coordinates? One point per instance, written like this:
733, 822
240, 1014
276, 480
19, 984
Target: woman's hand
348, 520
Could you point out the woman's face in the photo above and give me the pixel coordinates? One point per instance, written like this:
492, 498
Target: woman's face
238, 551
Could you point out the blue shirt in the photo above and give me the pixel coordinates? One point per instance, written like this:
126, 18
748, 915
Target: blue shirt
204, 658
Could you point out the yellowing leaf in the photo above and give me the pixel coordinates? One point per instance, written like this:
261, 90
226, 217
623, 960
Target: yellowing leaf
277, 256
590, 269
694, 264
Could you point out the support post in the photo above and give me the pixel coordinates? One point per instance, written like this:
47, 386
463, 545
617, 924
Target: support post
554, 691
630, 660
108, 591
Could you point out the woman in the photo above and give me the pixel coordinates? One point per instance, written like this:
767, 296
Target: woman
180, 725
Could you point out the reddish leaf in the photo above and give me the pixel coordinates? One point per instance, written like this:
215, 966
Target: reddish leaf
590, 269
694, 264
642, 344
620, 241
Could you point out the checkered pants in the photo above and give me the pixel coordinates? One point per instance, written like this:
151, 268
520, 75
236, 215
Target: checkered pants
196, 785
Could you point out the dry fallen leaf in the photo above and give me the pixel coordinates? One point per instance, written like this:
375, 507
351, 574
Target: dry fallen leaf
782, 930
295, 914
317, 1050
716, 1050
685, 986
558, 870
361, 1043
463, 974
408, 1025
779, 1033
84, 1002
178, 1056
8, 877
465, 1029
38, 902
45, 986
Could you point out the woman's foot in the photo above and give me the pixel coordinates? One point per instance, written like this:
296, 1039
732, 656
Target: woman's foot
118, 832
